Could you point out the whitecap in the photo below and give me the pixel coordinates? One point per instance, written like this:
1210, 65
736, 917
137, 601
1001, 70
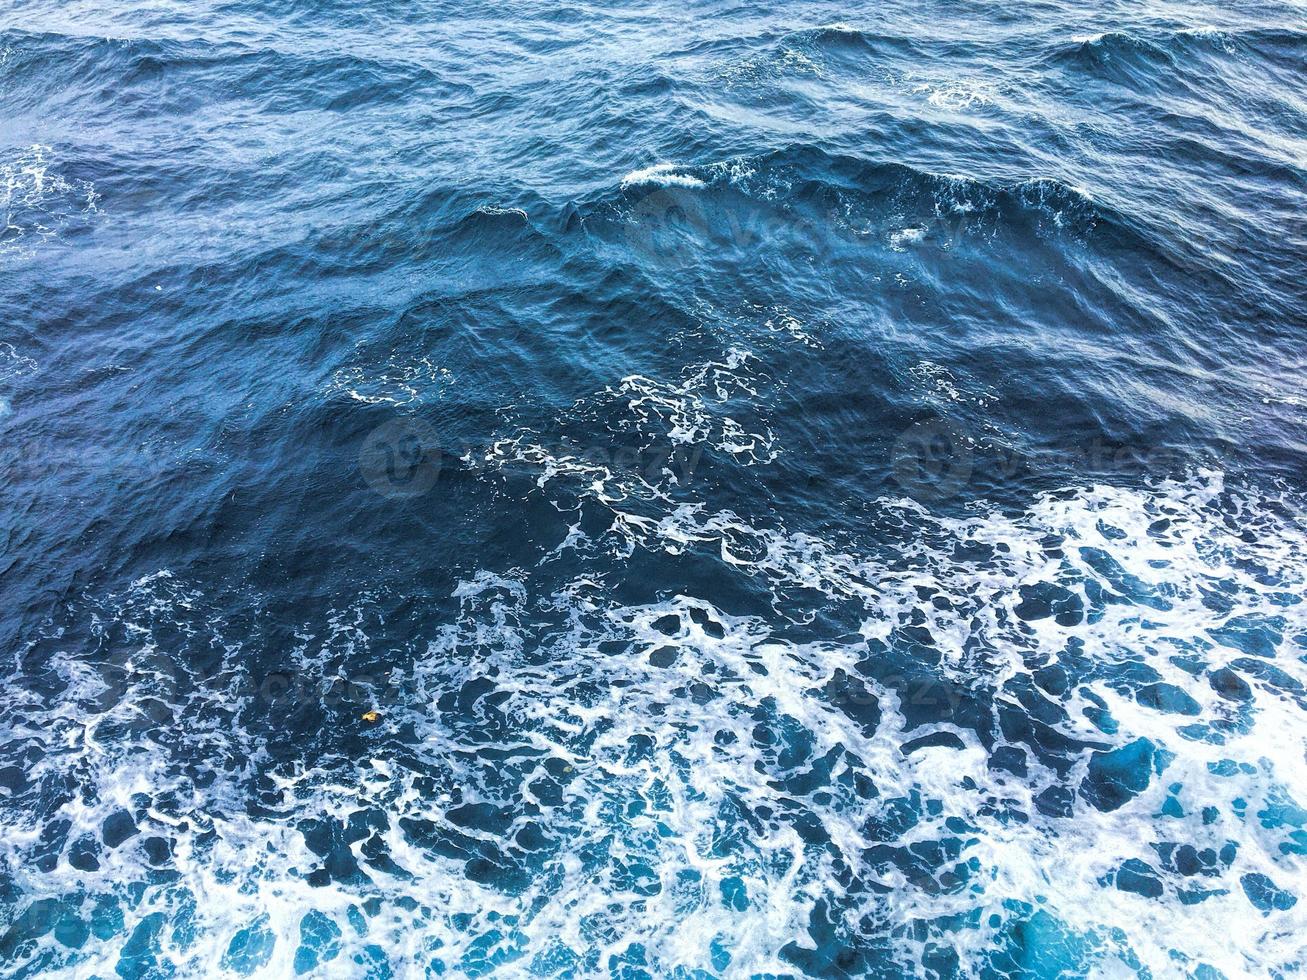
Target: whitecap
493, 210
957, 95
904, 238
662, 175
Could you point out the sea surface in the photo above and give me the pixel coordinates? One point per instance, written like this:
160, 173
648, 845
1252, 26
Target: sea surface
730, 488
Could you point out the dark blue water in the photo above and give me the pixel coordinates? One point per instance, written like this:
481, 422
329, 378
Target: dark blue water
653, 490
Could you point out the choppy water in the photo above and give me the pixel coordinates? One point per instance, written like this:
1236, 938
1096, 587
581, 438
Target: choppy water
808, 490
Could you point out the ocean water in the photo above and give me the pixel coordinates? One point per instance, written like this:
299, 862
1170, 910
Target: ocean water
720, 489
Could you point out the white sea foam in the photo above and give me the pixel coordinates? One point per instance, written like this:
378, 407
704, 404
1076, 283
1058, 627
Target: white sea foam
1196, 553
38, 203
780, 320
941, 386
687, 408
776, 67
697, 783
400, 383
957, 95
662, 175
492, 209
642, 736
1206, 32
658, 428
14, 365
904, 238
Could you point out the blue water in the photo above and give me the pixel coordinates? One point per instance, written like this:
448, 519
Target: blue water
728, 489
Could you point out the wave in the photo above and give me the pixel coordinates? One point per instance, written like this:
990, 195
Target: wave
844, 38
1122, 53
860, 198
833, 38
661, 175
